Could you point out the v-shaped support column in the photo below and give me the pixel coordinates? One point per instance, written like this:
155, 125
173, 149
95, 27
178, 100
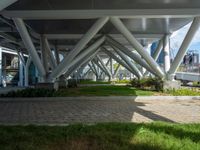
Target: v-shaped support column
85, 53
133, 41
133, 55
81, 44
120, 61
184, 47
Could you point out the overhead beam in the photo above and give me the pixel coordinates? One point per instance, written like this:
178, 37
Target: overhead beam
6, 3
80, 45
91, 14
116, 36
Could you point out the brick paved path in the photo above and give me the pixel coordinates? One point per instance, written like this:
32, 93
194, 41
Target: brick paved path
120, 109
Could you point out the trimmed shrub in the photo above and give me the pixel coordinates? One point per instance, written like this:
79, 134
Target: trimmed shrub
148, 83
30, 92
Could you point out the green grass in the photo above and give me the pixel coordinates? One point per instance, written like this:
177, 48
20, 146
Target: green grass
110, 90
94, 82
106, 136
103, 91
124, 81
184, 92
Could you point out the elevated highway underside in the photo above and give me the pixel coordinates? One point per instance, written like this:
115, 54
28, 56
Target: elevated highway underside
95, 30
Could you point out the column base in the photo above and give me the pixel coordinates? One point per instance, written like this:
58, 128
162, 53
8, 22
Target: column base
60, 83
169, 85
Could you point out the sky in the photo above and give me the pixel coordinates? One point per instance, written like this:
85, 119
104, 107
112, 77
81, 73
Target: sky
178, 37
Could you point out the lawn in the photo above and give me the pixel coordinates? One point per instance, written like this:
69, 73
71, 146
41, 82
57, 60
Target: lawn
94, 82
106, 136
110, 90
104, 91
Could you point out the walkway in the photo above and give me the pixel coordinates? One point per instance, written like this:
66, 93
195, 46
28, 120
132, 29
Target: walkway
90, 110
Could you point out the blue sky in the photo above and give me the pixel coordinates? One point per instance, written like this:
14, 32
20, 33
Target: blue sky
178, 36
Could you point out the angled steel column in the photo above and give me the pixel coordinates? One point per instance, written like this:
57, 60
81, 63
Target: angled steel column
107, 63
82, 61
166, 49
44, 55
86, 73
105, 68
57, 55
129, 63
116, 70
81, 44
21, 72
95, 69
27, 71
109, 53
133, 55
133, 41
91, 67
52, 58
184, 47
158, 50
6, 3
101, 67
111, 66
29, 45
1, 66
91, 49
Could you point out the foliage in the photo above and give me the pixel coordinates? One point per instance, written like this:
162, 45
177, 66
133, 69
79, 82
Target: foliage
184, 92
124, 81
30, 92
103, 136
148, 83
87, 81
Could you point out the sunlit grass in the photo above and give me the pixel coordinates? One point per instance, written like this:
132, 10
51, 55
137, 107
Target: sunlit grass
106, 136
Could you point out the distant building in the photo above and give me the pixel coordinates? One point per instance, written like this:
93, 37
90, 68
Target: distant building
161, 56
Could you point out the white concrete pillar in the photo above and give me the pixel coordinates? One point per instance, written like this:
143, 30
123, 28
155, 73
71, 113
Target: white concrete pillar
1, 66
117, 70
29, 45
49, 52
26, 72
158, 50
111, 67
44, 55
184, 47
166, 49
21, 72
